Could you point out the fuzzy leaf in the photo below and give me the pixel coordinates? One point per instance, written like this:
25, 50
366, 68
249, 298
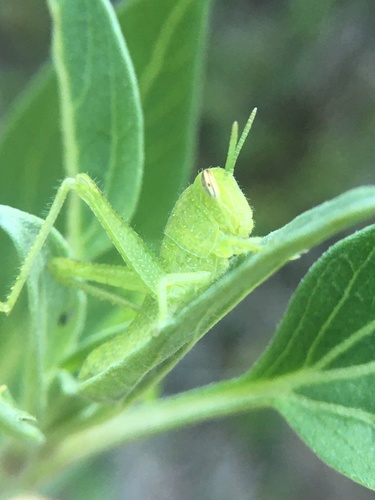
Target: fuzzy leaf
324, 350
100, 103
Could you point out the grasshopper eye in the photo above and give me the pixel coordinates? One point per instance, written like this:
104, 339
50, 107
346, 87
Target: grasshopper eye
209, 184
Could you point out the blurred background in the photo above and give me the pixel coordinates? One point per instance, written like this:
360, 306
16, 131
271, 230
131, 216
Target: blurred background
309, 66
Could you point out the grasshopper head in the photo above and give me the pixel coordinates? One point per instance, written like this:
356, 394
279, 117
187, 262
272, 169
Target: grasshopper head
220, 192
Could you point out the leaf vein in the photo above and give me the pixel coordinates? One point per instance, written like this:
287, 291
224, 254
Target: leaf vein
155, 65
337, 308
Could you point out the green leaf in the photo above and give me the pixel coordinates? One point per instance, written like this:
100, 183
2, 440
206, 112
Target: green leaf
15, 422
335, 296
342, 437
168, 59
36, 341
101, 111
326, 343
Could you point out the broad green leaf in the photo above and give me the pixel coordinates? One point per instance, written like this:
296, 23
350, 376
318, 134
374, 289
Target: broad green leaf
168, 62
15, 422
100, 104
335, 296
341, 436
36, 337
326, 342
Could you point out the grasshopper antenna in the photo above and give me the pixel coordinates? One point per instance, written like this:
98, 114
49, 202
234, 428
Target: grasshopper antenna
234, 146
229, 164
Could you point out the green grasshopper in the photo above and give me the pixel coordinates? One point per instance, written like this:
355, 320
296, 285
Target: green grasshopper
210, 223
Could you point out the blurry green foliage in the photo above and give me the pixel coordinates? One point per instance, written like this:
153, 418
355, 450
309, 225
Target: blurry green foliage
309, 68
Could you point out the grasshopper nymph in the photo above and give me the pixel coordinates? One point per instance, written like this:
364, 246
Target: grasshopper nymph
210, 223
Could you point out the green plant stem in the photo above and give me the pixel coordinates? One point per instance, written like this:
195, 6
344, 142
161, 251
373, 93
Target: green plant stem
152, 418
